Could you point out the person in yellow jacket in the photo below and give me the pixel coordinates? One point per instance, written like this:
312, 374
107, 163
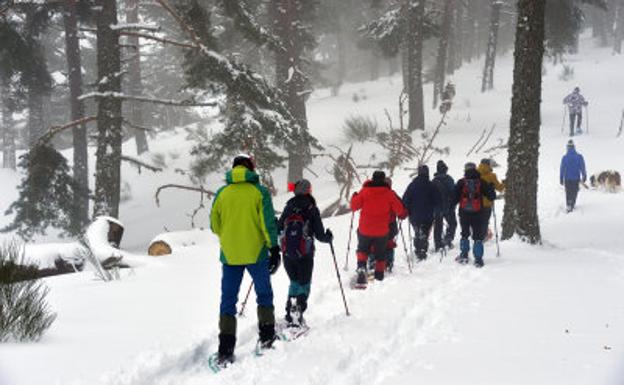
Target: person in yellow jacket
489, 176
243, 218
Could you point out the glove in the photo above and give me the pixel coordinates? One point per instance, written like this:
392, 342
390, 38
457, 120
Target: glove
329, 235
274, 259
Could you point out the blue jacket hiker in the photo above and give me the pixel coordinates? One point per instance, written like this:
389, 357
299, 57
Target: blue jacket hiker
298, 225
571, 173
420, 199
445, 211
243, 218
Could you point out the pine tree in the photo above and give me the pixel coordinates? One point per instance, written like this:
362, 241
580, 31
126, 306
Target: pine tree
108, 153
74, 71
443, 44
414, 46
520, 214
487, 82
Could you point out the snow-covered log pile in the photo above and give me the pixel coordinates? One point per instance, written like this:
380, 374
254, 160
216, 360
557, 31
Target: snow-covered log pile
167, 243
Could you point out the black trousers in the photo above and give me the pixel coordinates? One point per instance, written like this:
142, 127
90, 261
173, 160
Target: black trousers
579, 119
421, 238
571, 190
299, 272
474, 224
438, 224
366, 245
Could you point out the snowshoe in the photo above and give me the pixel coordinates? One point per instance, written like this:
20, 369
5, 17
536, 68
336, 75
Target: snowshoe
218, 362
263, 346
361, 279
461, 259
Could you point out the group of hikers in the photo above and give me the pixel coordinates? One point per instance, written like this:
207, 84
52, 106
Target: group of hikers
243, 210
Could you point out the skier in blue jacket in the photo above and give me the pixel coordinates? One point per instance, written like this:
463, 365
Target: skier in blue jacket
571, 173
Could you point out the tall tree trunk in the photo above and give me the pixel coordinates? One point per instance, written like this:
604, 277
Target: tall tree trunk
8, 135
291, 80
490, 53
81, 158
443, 42
619, 27
416, 15
374, 65
108, 154
520, 214
136, 85
341, 47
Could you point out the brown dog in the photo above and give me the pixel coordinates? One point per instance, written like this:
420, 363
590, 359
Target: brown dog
609, 180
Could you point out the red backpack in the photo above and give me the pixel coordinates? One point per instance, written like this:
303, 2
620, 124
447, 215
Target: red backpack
471, 197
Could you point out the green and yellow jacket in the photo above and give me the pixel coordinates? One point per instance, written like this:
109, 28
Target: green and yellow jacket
243, 218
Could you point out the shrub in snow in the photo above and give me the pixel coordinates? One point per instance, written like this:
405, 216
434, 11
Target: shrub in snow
567, 73
360, 128
46, 195
24, 312
125, 194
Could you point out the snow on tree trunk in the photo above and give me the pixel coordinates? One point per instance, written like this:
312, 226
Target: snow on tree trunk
520, 214
108, 153
81, 162
414, 42
8, 136
291, 79
487, 82
443, 42
134, 72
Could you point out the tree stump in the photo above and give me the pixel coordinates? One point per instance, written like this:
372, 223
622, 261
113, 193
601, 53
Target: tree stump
158, 248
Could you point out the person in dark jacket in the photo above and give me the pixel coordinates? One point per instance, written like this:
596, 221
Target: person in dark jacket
301, 209
377, 202
445, 211
571, 173
469, 194
575, 102
421, 198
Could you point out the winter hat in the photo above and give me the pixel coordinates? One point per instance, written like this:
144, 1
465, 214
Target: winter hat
486, 161
470, 166
303, 187
441, 167
570, 144
379, 177
576, 89
244, 160
423, 170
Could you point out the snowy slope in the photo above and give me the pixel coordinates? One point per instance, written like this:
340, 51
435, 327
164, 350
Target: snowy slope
537, 315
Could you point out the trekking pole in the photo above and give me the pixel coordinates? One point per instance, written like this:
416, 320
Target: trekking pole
344, 299
495, 229
564, 116
409, 264
242, 310
411, 240
586, 119
346, 265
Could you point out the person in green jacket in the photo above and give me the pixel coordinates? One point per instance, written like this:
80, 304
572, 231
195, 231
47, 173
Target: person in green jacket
243, 218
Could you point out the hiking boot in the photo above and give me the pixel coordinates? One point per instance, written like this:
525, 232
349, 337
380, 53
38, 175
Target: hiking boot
478, 262
223, 360
267, 336
225, 353
361, 276
379, 275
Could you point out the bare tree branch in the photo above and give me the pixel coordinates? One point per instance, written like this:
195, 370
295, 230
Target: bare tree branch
145, 99
45, 138
138, 163
159, 39
200, 190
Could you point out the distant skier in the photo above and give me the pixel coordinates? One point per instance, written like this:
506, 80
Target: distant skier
575, 102
298, 225
470, 192
445, 211
243, 217
377, 202
420, 199
485, 170
571, 173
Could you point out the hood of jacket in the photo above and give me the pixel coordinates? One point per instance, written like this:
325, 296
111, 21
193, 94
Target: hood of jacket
241, 174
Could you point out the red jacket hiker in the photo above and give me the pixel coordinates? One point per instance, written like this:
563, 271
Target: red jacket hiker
378, 204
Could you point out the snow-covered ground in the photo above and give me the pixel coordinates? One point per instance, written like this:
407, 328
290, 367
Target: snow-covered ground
539, 315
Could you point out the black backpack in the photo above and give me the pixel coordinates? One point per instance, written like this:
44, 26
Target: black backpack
471, 197
296, 241
444, 193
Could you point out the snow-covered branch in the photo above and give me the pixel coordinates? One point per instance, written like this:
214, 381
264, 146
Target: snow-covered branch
45, 138
159, 39
145, 99
138, 163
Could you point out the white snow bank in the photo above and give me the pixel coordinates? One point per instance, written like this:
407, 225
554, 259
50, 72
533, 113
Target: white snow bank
97, 239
